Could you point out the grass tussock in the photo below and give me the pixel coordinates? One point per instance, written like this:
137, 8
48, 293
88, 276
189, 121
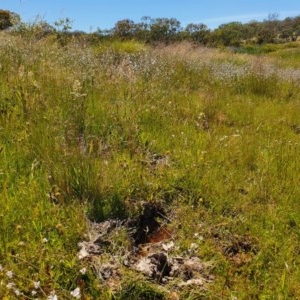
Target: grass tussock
93, 132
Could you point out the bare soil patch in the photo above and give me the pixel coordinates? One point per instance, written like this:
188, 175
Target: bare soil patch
152, 251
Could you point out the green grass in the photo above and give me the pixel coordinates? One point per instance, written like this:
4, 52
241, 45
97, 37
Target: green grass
119, 46
78, 127
268, 48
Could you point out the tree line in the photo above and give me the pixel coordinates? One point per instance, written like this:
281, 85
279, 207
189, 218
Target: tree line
166, 30
169, 30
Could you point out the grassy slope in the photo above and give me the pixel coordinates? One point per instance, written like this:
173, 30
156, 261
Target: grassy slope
78, 126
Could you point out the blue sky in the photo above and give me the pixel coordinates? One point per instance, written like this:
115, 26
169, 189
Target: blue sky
88, 15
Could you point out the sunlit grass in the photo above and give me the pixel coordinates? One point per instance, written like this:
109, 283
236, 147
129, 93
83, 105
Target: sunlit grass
79, 127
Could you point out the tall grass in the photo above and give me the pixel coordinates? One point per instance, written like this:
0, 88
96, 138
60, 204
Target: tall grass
90, 132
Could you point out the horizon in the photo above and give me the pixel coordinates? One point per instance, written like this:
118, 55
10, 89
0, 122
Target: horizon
88, 16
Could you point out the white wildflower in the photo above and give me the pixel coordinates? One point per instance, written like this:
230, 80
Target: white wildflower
17, 292
9, 274
36, 284
194, 246
82, 254
44, 240
52, 296
224, 137
83, 271
76, 293
10, 285
201, 238
168, 246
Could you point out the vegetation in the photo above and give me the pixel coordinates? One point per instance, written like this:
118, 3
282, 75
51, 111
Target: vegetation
82, 123
164, 30
169, 30
8, 19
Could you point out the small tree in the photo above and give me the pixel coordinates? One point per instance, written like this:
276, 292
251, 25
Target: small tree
63, 25
8, 19
197, 32
231, 34
124, 29
164, 30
